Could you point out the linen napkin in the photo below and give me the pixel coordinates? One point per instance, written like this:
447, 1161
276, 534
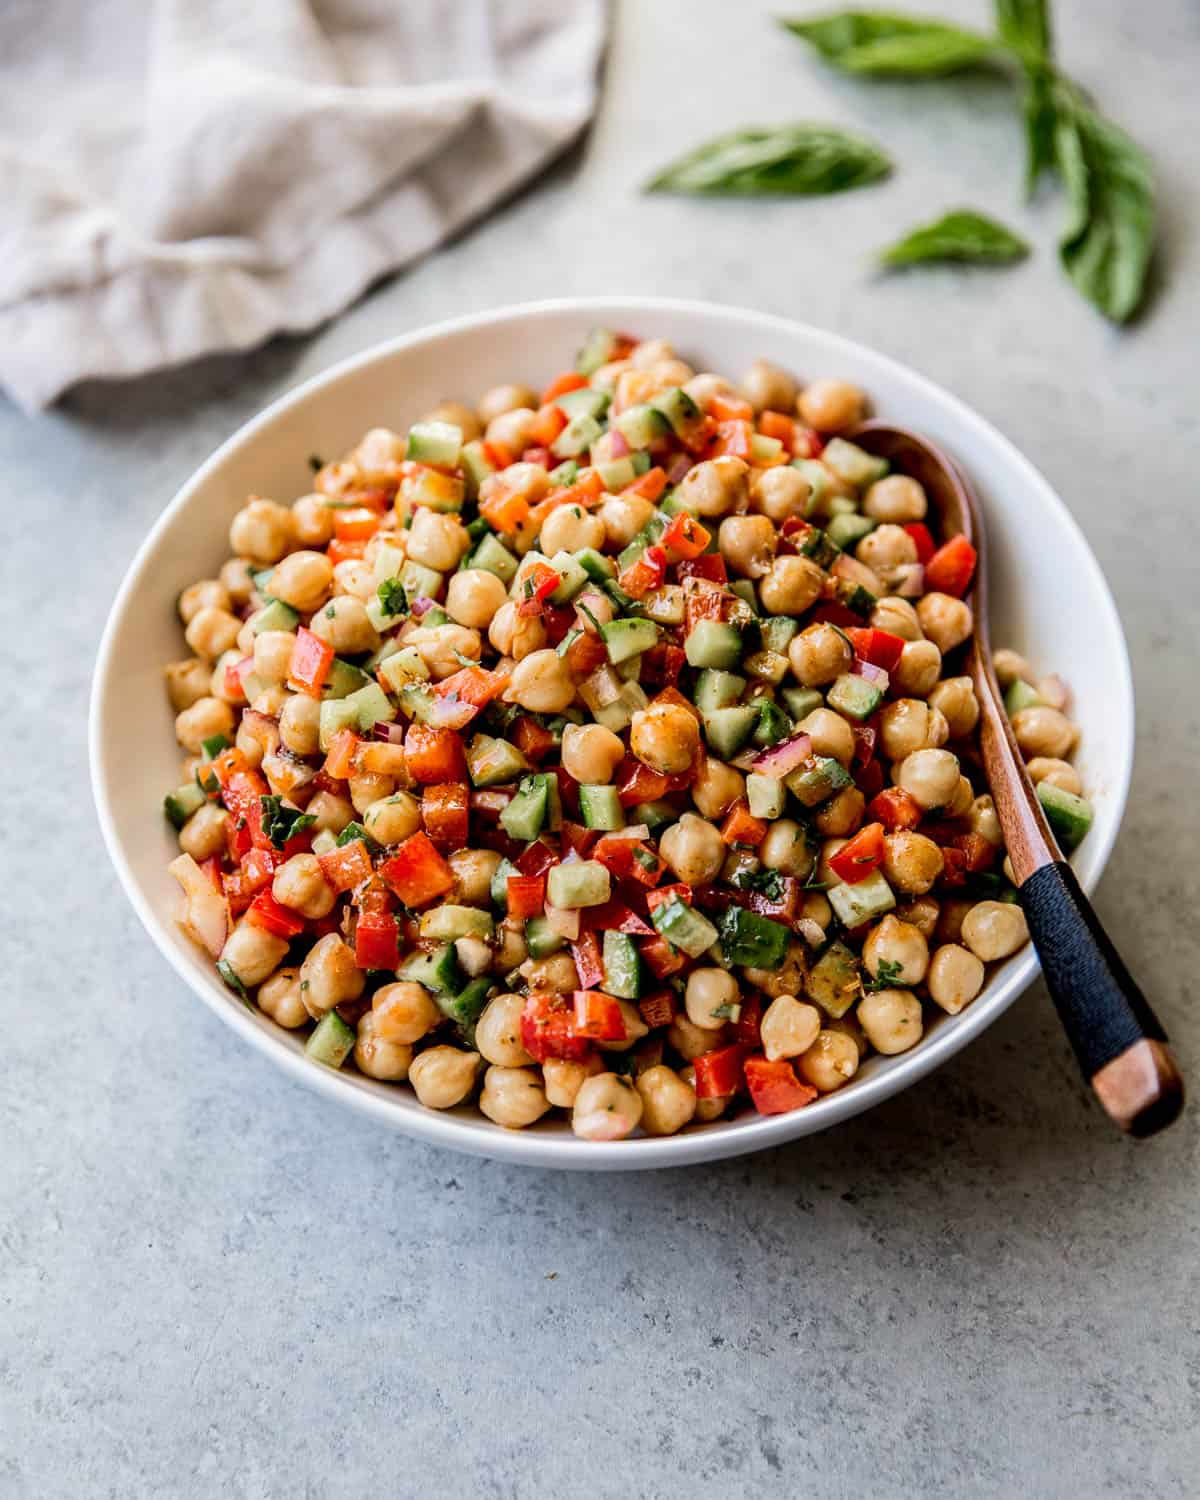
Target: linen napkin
185, 176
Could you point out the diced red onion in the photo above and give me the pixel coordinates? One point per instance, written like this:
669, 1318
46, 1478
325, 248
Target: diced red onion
780, 760
680, 465
812, 932
422, 605
393, 734
910, 580
618, 444
872, 673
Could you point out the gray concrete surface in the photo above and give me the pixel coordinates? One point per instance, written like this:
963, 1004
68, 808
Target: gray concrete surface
214, 1284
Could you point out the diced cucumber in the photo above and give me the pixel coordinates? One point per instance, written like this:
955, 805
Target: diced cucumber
854, 697
750, 940
848, 530
834, 980
773, 724
744, 590
554, 817
800, 701
655, 814
1020, 695
526, 813
767, 797
728, 729
336, 714
331, 1042
597, 567
388, 562
492, 762
403, 668
840, 505
583, 882
418, 702
476, 466
616, 474
622, 967
541, 939
576, 437
448, 923
371, 706
862, 902
711, 643
626, 638
819, 482
437, 443
642, 425
599, 348
776, 632
586, 401
180, 804
498, 888
494, 557
861, 600
764, 449
418, 581
564, 474
573, 576
434, 490
344, 678
666, 606
852, 463
437, 971
716, 689
817, 545
817, 780
686, 419
684, 927
324, 842
465, 1008
1069, 816
600, 807
767, 666
274, 615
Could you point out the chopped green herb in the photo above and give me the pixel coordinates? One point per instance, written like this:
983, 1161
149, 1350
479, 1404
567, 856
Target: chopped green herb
888, 976
281, 823
213, 746
392, 598
354, 831
768, 883
233, 982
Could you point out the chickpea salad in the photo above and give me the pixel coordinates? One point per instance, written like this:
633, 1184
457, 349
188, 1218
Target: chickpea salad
603, 750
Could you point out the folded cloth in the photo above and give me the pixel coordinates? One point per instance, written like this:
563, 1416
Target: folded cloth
185, 176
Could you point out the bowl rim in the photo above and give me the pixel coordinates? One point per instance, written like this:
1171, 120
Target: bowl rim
561, 1150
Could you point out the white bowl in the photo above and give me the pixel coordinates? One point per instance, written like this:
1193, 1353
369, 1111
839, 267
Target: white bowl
1049, 600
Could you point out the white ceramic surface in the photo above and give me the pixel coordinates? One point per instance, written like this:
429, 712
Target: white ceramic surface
1050, 600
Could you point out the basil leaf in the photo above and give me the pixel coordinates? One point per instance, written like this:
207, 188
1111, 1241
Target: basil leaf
1024, 25
281, 823
1110, 189
885, 45
1037, 109
961, 235
787, 159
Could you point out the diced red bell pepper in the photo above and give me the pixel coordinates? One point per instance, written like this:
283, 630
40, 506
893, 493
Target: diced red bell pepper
491, 801
685, 538
649, 485
537, 585
660, 958
879, 647
809, 442
726, 407
536, 858
417, 872
749, 1023
920, 534
719, 1073
711, 567
588, 963
856, 860
474, 685
504, 509
531, 739
598, 1017
706, 604
833, 613
526, 895
445, 814
346, 867
645, 863
348, 551
667, 893
356, 523
951, 568
559, 621
548, 422
374, 897
569, 380
979, 854
775, 424
742, 827
774, 1087
954, 866
637, 782
658, 1009
377, 941
536, 454
253, 874
865, 736
339, 762
732, 440
895, 809
575, 838
613, 916
869, 779
648, 572
662, 664
266, 912
497, 455
434, 755
310, 663
548, 1029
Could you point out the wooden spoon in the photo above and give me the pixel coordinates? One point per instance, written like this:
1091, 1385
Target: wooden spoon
1121, 1047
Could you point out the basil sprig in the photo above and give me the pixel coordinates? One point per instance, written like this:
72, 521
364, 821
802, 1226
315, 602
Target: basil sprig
880, 45
778, 160
281, 823
961, 235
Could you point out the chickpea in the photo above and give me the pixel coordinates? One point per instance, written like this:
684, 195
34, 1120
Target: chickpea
918, 669
367, 788
212, 631
1054, 692
329, 975
819, 654
689, 1040
505, 398
786, 848
514, 634
706, 1109
205, 718
950, 919
815, 907
904, 726
188, 682
1009, 666
769, 388
830, 1062
946, 621
457, 415
635, 1028
498, 1032
443, 1076
473, 870
203, 834
793, 584
830, 735
623, 517
788, 979
513, 1097
208, 593
252, 952
436, 540
842, 814
901, 947
1059, 773
607, 1108
1044, 731
542, 683
300, 724
891, 1020
312, 521
299, 883
994, 930
440, 646
747, 544
985, 822
344, 625
955, 698
789, 1027
896, 499
387, 1061
474, 955
473, 597
922, 913
273, 654
256, 741
831, 405
331, 812
717, 787
664, 737
711, 998
591, 753
557, 974
511, 949
826, 874
512, 429
593, 610
261, 531
715, 487
955, 977
270, 701
237, 579
668, 1102
279, 998
651, 352
779, 493
703, 387
911, 862
693, 849
562, 1078
886, 547
570, 528
930, 777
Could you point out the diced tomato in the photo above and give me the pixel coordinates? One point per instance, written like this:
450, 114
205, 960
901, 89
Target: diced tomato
668, 893
266, 912
749, 1023
649, 485
954, 866
254, 873
497, 455
921, 535
212, 868
531, 739
648, 572
445, 814
548, 1029
662, 664
645, 863
346, 867
976, 851
775, 424
588, 963
547, 424
598, 1017
895, 809
417, 872
719, 1073
636, 782
833, 613
575, 838
855, 861
569, 380
742, 827
660, 958
658, 1009
879, 647
951, 568
356, 523
526, 895
504, 510
537, 585
710, 567
585, 653
704, 604
732, 440
347, 551
536, 858
865, 736
474, 685
774, 1087
434, 755
536, 454
729, 408
685, 538
615, 916
377, 941
310, 663
343, 748
809, 442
